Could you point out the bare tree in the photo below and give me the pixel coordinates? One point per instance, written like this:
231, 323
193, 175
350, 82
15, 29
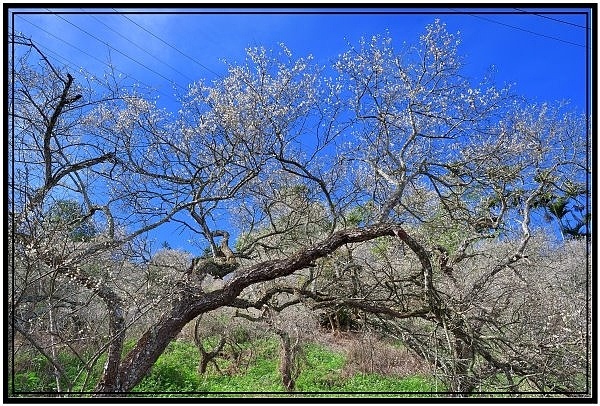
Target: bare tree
471, 173
414, 203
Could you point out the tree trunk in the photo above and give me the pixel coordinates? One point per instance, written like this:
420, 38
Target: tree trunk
188, 306
288, 361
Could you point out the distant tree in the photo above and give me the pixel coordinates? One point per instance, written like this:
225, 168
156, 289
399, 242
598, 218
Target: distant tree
68, 214
397, 190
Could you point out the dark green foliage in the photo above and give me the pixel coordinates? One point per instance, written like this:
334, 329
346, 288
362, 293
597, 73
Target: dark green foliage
69, 214
361, 214
568, 208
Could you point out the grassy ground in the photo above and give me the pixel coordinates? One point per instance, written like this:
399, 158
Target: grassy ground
323, 372
328, 369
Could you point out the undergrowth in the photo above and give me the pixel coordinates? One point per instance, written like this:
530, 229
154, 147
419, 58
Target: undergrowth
323, 373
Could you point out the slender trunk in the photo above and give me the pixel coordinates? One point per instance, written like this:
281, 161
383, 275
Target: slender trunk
53, 352
287, 365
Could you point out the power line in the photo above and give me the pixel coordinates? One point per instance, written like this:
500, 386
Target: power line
142, 49
92, 56
122, 53
553, 19
68, 63
64, 61
66, 42
525, 30
171, 46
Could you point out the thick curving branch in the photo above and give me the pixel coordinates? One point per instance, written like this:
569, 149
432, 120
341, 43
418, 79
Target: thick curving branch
191, 304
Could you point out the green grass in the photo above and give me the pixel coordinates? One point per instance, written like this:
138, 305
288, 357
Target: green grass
34, 373
321, 370
372, 383
175, 372
323, 373
320, 376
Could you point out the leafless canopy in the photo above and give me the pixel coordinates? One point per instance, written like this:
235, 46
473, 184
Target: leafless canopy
448, 214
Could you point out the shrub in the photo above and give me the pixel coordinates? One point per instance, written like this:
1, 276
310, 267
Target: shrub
368, 355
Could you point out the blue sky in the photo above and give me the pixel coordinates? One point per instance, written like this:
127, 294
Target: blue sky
544, 53
545, 57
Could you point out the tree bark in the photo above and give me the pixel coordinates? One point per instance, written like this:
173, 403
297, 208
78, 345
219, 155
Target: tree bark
190, 305
287, 361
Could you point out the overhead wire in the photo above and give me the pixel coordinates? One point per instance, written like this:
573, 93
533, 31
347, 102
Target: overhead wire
525, 30
171, 46
205, 67
137, 46
142, 49
95, 58
120, 52
553, 19
48, 52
